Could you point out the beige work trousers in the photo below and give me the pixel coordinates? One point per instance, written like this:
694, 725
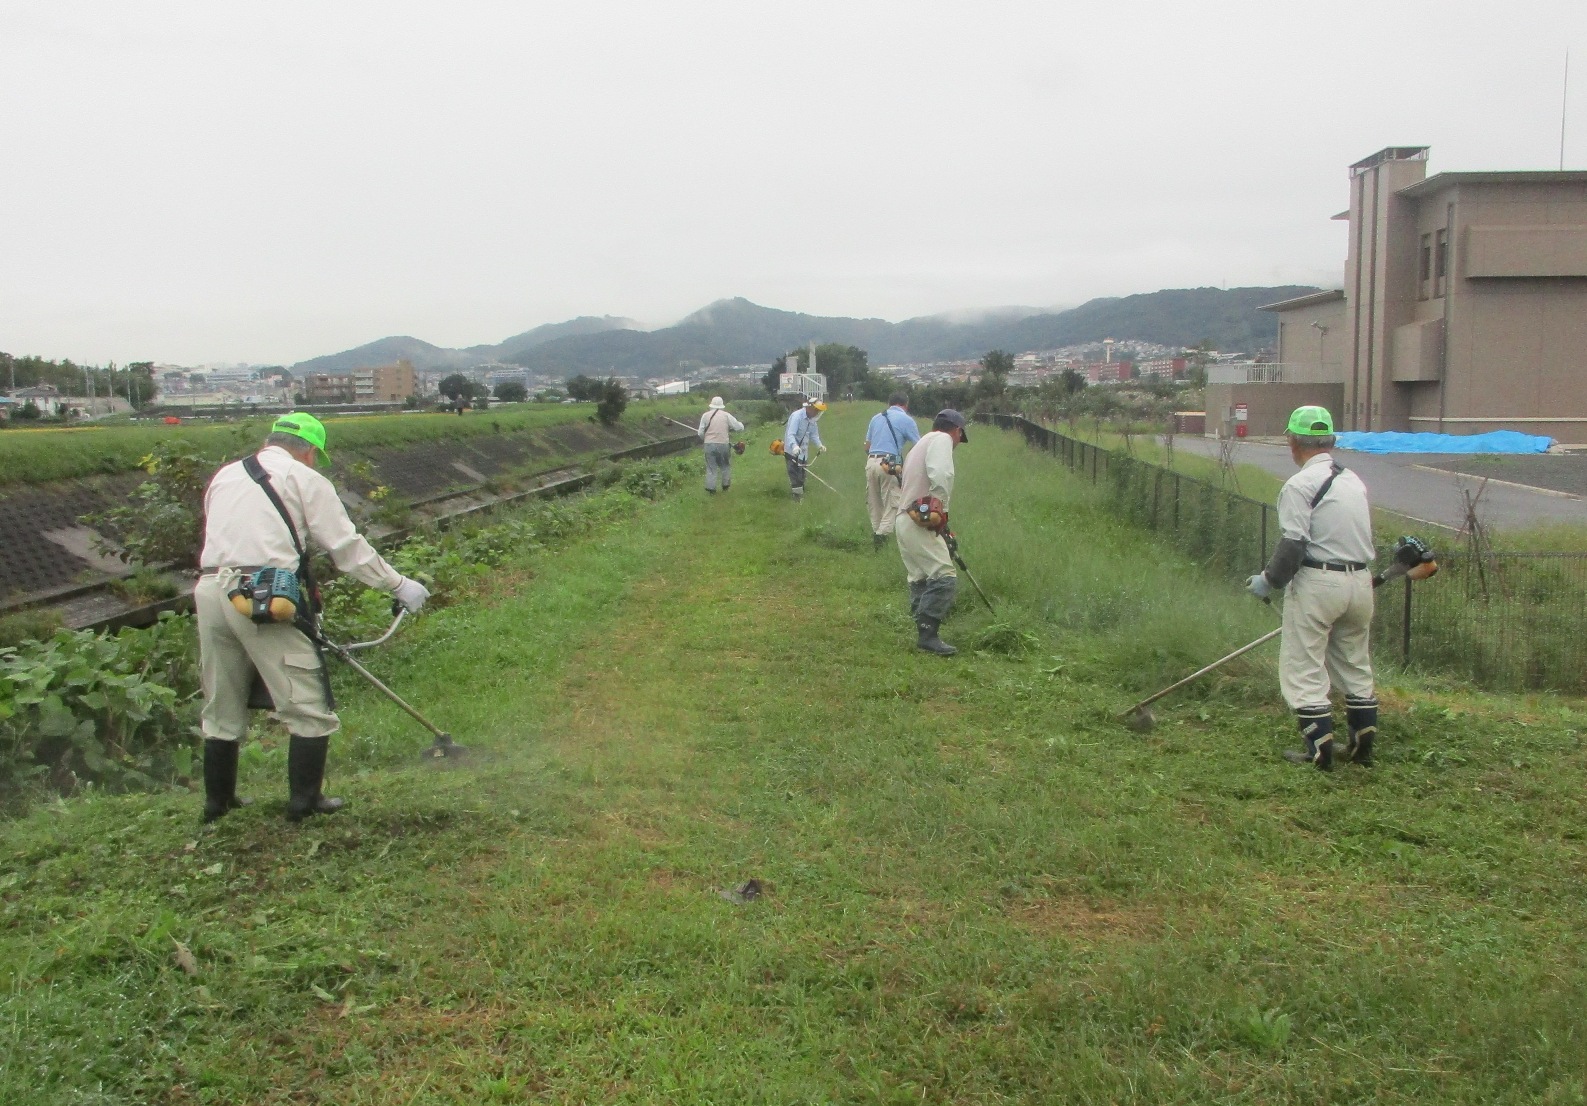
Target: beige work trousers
925, 553
883, 494
1327, 637
231, 646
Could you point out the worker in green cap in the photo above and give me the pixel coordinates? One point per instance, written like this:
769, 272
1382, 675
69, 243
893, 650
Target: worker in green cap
261, 516
1323, 564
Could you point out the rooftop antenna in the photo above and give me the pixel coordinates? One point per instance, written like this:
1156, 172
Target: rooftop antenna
1564, 104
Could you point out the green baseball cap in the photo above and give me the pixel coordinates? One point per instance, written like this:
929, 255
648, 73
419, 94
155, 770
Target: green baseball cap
307, 427
1311, 422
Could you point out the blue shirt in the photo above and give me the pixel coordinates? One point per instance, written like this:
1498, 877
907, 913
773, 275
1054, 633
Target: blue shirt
800, 434
887, 429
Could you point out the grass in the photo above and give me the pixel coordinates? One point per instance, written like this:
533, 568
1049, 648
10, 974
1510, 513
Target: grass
979, 887
35, 456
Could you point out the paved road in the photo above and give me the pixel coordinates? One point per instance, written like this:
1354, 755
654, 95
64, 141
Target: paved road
1408, 484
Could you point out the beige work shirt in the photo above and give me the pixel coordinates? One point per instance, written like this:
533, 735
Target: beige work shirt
242, 527
1340, 528
928, 470
715, 424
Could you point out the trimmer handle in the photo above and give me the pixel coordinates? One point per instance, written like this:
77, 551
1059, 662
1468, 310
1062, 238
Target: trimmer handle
398, 612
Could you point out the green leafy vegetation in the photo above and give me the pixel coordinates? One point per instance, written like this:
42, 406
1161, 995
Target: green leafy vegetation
977, 887
83, 708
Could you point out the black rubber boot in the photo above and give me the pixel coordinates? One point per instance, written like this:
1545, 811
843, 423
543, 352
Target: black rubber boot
305, 774
1317, 728
877, 541
929, 641
1361, 715
220, 779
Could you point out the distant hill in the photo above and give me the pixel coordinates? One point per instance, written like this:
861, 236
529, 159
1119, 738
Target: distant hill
384, 352
425, 356
584, 324
738, 332
1173, 317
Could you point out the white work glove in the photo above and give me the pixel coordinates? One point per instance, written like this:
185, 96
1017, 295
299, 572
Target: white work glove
821, 449
411, 594
1258, 586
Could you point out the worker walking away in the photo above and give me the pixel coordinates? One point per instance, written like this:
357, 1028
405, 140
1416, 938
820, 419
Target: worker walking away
921, 526
254, 600
715, 426
1323, 563
889, 434
798, 436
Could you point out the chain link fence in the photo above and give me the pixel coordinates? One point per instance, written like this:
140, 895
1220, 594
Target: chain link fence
1502, 620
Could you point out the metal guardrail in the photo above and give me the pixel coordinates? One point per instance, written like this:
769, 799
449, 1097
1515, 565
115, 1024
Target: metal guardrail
1501, 620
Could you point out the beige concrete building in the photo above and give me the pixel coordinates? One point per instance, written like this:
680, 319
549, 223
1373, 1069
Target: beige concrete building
1464, 306
385, 383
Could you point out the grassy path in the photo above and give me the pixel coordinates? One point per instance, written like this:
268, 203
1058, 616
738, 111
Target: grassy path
979, 888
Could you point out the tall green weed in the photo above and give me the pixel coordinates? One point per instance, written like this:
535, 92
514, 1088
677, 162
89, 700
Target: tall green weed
84, 708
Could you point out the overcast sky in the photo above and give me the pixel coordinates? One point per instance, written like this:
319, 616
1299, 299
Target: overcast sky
199, 181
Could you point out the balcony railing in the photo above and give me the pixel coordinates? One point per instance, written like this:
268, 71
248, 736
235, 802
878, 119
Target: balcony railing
1285, 372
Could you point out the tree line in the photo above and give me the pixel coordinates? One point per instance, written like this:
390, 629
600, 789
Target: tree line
134, 382
609, 395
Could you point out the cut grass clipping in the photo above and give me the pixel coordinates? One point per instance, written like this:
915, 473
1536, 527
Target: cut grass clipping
973, 885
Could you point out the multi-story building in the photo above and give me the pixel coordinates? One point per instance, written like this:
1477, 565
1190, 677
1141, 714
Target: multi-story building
1107, 372
385, 383
1162, 368
1464, 308
328, 388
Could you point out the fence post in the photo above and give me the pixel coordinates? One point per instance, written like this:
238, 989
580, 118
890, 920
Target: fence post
1176, 504
1405, 627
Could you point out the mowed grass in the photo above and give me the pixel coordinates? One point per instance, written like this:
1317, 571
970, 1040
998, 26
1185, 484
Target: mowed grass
978, 887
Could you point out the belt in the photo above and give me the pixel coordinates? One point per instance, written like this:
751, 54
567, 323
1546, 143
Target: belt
245, 569
886, 456
1334, 566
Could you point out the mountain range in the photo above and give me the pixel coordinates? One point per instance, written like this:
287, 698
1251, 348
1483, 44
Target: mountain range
738, 332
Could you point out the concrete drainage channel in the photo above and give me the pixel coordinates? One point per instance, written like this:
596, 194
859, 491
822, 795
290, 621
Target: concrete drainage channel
97, 606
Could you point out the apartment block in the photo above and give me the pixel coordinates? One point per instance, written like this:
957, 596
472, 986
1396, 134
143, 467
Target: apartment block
385, 383
1464, 305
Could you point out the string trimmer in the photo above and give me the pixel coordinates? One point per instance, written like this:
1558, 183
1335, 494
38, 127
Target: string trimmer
1412, 557
444, 747
778, 450
953, 551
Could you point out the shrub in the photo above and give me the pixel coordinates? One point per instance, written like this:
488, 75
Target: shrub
614, 399
163, 523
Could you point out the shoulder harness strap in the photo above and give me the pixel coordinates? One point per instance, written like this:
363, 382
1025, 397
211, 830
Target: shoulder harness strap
1328, 483
309, 610
257, 471
898, 441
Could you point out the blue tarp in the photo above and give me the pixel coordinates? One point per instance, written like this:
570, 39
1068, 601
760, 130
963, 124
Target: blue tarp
1495, 441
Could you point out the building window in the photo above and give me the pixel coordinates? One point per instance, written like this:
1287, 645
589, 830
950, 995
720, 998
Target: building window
1425, 269
1440, 261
